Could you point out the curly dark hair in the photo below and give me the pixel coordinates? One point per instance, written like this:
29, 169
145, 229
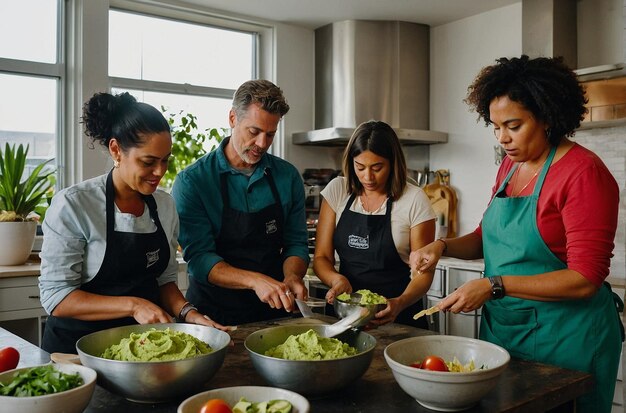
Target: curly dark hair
106, 116
544, 86
379, 138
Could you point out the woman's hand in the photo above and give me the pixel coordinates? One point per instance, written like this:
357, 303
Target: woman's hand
468, 297
196, 317
146, 312
426, 258
388, 314
339, 285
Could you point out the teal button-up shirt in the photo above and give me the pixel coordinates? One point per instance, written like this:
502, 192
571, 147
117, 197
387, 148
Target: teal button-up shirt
199, 204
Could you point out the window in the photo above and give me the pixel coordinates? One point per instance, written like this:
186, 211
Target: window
180, 65
31, 77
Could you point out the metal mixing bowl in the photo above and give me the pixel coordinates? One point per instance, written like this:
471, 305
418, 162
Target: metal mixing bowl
308, 377
156, 381
344, 308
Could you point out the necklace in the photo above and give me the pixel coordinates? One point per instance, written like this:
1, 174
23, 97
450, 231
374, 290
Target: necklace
529, 181
366, 207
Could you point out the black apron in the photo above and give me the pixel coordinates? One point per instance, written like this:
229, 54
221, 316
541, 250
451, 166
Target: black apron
369, 259
251, 241
132, 262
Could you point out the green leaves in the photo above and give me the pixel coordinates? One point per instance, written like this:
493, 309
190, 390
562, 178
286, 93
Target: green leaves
188, 144
17, 195
38, 381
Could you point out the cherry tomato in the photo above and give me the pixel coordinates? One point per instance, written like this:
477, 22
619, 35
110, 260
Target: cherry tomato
417, 364
434, 363
9, 357
215, 406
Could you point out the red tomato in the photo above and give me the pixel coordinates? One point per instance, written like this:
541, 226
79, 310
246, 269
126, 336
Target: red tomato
434, 363
9, 357
417, 364
215, 406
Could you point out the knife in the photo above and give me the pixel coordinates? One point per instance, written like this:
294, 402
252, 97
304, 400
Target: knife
428, 311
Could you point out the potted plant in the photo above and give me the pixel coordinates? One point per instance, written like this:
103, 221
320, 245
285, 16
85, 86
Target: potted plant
20, 195
188, 144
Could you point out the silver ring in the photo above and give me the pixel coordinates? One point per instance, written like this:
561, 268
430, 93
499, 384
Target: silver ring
288, 293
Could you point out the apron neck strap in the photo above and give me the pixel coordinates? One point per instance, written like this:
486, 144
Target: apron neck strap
544, 171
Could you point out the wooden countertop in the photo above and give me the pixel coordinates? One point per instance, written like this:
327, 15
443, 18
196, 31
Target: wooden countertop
524, 386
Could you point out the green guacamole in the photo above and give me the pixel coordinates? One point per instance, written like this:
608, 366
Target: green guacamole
310, 346
367, 297
157, 345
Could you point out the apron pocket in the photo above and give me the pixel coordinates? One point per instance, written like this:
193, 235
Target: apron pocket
514, 330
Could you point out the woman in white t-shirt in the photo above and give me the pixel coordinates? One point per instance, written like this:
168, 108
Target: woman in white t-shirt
373, 218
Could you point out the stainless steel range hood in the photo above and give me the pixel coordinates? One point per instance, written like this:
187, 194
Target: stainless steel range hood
371, 70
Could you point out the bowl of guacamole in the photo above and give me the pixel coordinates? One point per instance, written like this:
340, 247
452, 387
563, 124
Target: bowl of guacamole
154, 363
297, 358
346, 303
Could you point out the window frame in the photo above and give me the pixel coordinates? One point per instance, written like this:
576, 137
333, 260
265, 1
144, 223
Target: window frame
55, 71
262, 36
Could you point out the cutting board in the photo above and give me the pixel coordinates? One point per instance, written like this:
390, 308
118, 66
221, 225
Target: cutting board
444, 202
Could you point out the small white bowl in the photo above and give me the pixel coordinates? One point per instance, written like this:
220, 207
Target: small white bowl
446, 391
254, 394
70, 401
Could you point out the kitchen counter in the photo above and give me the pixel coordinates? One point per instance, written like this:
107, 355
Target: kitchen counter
29, 268
524, 386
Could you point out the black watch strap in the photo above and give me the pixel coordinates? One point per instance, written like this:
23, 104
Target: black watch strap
497, 288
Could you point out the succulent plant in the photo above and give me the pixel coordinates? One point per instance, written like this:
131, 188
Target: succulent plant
19, 194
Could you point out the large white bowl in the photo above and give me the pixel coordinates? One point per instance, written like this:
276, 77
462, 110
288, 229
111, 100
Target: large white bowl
70, 401
255, 394
446, 391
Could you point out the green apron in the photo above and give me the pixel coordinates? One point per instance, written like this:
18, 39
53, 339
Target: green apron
577, 334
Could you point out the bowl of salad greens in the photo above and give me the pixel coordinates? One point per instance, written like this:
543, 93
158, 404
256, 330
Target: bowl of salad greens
247, 399
47, 388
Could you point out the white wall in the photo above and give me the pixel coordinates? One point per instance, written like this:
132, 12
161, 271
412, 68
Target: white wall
458, 51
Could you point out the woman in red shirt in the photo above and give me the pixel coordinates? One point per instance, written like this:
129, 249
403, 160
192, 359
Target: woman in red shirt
547, 234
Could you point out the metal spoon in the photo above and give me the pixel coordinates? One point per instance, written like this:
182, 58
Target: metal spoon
355, 298
304, 308
344, 324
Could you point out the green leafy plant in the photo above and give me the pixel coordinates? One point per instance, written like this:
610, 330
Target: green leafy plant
188, 143
20, 195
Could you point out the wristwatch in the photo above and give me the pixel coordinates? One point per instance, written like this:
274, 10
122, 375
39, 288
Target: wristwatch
497, 289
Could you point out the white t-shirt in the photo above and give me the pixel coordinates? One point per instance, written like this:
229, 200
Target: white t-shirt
411, 209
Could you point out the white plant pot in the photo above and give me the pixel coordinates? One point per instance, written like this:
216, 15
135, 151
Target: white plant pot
16, 241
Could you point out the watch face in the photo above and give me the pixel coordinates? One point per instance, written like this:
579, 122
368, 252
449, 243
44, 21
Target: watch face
497, 291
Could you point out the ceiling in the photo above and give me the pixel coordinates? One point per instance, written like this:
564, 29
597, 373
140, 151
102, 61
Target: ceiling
315, 13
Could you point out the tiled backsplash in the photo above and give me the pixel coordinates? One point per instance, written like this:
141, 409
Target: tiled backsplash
610, 145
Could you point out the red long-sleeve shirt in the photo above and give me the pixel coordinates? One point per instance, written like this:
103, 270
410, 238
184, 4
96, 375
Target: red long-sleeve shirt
577, 211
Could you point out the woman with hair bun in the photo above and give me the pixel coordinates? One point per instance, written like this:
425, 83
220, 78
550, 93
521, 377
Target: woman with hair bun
109, 251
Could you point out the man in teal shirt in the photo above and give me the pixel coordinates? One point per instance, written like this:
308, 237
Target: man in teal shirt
242, 217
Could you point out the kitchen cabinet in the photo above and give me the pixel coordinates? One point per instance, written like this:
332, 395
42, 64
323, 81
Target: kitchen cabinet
449, 275
20, 307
